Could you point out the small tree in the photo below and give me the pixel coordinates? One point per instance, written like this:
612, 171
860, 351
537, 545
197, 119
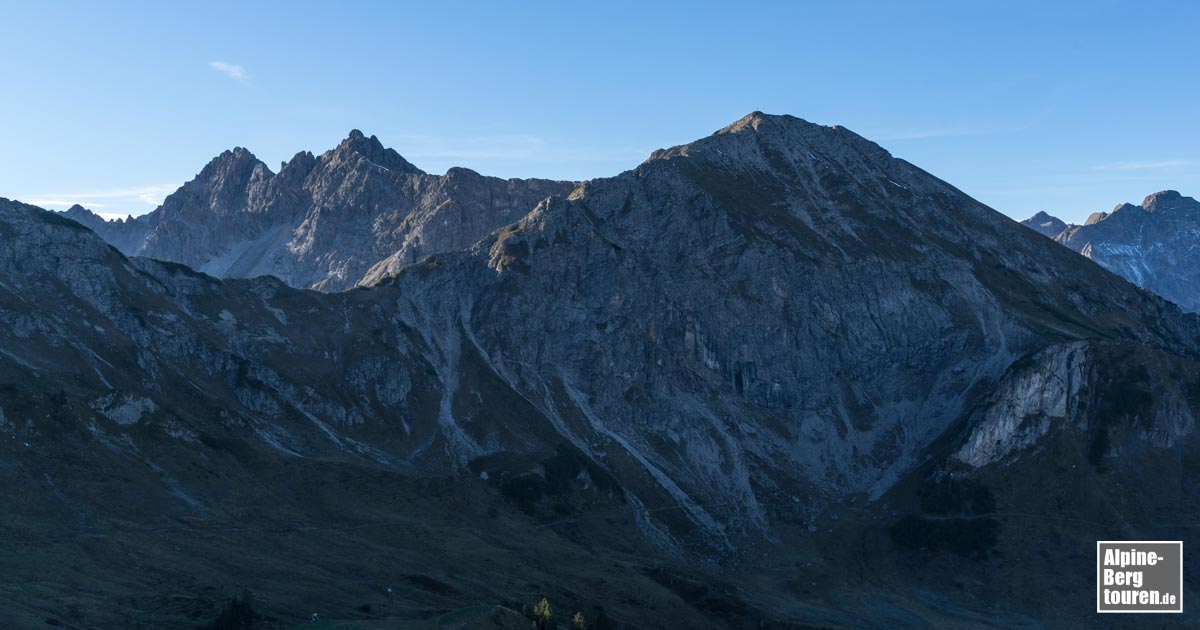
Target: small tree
578, 622
542, 615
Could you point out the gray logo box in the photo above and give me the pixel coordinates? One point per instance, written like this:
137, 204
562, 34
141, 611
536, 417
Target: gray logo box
1139, 576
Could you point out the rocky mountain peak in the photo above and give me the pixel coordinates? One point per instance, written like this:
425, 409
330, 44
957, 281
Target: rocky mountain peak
784, 127
231, 160
773, 142
293, 171
299, 160
1169, 200
77, 212
86, 217
1046, 224
373, 150
751, 122
1153, 245
223, 185
461, 171
757, 126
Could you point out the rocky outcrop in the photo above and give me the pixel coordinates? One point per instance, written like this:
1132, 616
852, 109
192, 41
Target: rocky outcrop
1030, 397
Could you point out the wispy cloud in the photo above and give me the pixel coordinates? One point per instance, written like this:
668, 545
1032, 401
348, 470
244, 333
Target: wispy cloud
137, 198
233, 71
1140, 166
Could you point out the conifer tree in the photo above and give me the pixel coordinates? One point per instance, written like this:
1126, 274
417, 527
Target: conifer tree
543, 615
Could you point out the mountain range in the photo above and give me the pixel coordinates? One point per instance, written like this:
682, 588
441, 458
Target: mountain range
1155, 245
775, 377
325, 222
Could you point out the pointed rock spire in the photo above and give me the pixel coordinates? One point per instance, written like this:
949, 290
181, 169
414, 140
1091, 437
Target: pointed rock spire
372, 149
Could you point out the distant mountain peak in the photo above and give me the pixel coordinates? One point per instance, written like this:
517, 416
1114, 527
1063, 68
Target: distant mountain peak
372, 149
236, 154
229, 161
1046, 224
1168, 200
1153, 245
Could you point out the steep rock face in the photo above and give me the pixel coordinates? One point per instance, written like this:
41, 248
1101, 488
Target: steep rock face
781, 311
179, 418
322, 221
1045, 224
1062, 387
1030, 397
135, 333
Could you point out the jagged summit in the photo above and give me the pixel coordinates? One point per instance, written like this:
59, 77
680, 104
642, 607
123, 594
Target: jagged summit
372, 149
1162, 201
301, 157
78, 212
234, 156
323, 220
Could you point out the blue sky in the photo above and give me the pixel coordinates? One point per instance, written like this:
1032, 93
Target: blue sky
1064, 107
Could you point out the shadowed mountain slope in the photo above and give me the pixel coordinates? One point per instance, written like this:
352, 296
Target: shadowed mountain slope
776, 375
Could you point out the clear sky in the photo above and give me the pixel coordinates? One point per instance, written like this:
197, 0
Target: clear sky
1064, 107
